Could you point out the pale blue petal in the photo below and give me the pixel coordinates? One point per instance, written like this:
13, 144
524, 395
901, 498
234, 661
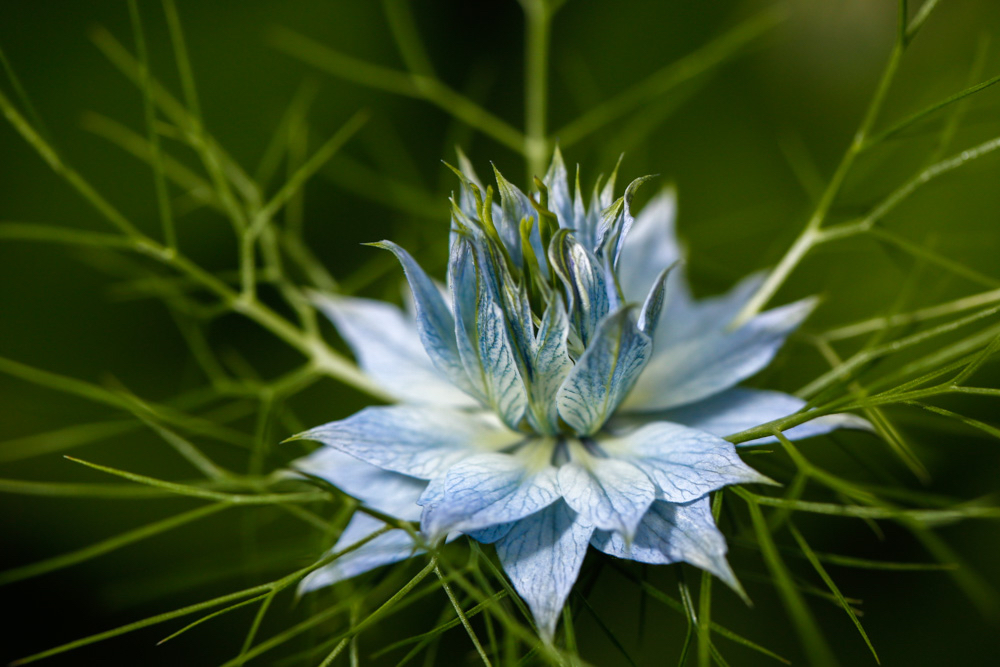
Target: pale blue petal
604, 374
500, 341
557, 182
624, 222
387, 492
608, 493
584, 278
516, 206
683, 462
672, 533
388, 348
419, 441
485, 490
435, 323
462, 284
491, 534
467, 201
739, 409
542, 555
649, 316
715, 360
390, 547
686, 317
651, 246
550, 365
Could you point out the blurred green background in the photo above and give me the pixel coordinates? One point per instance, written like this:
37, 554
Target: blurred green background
747, 146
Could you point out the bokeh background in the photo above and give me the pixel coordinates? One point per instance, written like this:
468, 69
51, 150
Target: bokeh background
747, 146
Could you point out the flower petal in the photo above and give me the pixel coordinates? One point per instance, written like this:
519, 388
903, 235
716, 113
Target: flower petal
419, 441
484, 341
387, 346
435, 323
715, 360
610, 494
671, 533
390, 547
550, 365
651, 246
557, 182
586, 283
604, 374
516, 206
684, 463
739, 409
542, 555
484, 490
385, 491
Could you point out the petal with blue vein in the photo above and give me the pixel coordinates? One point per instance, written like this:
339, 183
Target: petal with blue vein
716, 360
584, 278
550, 365
608, 493
542, 555
485, 490
649, 316
516, 206
685, 463
388, 348
557, 182
604, 374
672, 533
435, 323
388, 492
462, 284
420, 441
491, 534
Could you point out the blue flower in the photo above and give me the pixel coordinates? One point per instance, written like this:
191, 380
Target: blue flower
563, 390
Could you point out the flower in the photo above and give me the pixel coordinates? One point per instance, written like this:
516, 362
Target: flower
564, 390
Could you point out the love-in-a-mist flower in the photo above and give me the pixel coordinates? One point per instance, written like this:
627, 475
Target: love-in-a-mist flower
562, 390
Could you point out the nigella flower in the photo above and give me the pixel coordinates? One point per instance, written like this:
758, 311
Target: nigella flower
563, 390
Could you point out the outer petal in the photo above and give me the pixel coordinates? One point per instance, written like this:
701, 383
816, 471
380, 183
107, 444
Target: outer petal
435, 322
390, 547
738, 409
714, 361
684, 463
485, 490
610, 494
542, 556
671, 533
385, 491
651, 246
387, 346
422, 442
604, 374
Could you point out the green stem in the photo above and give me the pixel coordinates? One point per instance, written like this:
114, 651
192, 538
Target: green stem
538, 24
811, 234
